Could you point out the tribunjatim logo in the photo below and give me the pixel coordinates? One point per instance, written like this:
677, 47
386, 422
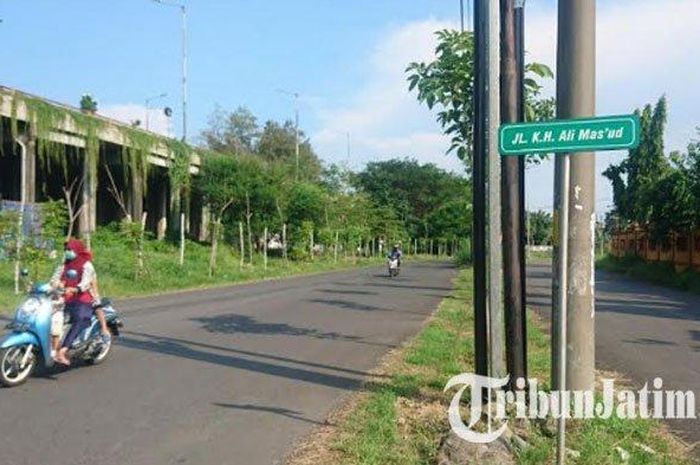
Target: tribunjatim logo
488, 419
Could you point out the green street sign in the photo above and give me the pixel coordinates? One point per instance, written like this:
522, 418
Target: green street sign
574, 135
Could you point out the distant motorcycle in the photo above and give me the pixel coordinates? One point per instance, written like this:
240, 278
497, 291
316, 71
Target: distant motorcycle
393, 266
28, 344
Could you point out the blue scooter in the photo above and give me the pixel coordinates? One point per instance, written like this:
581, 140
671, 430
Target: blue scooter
28, 344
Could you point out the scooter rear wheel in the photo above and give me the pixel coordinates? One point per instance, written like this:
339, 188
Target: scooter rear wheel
12, 373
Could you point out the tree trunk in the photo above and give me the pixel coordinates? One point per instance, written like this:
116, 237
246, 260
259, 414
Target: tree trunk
214, 245
241, 243
284, 242
265, 249
311, 243
139, 246
182, 239
248, 215
335, 249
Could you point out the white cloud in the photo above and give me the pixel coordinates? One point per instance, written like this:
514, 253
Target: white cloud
383, 119
130, 112
645, 49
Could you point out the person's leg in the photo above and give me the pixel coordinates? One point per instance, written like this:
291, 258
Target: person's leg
81, 314
104, 329
56, 331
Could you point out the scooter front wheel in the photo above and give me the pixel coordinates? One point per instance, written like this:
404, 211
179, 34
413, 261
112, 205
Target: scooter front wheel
15, 365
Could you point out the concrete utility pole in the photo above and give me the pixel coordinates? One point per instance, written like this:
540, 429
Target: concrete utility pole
573, 347
495, 257
479, 190
514, 314
575, 99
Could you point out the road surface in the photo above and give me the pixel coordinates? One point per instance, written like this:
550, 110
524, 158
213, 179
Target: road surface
643, 331
224, 376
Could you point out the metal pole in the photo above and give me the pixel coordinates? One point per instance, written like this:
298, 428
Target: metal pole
562, 302
479, 192
520, 65
296, 132
184, 72
461, 15
495, 257
576, 98
515, 353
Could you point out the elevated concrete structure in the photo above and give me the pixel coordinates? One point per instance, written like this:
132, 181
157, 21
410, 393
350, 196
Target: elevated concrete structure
44, 181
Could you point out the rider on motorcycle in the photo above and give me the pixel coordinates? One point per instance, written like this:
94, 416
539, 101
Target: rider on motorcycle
395, 253
80, 292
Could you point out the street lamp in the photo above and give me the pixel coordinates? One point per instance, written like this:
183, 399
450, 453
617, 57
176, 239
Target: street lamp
183, 12
148, 106
296, 126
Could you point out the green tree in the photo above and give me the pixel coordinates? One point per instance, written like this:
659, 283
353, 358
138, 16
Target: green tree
220, 183
235, 132
635, 178
448, 82
539, 224
415, 192
278, 144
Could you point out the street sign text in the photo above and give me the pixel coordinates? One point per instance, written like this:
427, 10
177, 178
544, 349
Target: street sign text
576, 135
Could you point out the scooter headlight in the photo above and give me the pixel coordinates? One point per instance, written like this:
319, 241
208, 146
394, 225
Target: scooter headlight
27, 309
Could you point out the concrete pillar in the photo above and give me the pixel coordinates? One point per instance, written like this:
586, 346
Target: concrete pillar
88, 216
205, 219
162, 225
173, 229
136, 197
28, 167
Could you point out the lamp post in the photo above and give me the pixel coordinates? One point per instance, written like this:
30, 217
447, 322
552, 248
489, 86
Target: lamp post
148, 107
183, 12
296, 127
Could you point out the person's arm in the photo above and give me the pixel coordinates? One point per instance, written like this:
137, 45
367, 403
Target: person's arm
88, 277
56, 277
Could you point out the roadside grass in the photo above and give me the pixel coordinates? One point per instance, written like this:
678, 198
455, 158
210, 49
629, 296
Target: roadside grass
400, 417
657, 273
115, 264
539, 255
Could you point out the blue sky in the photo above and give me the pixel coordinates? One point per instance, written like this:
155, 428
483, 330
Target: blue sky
346, 59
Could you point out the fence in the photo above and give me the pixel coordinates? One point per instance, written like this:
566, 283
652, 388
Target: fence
680, 249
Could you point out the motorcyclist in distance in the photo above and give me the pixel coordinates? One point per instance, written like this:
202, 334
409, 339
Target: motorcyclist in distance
396, 253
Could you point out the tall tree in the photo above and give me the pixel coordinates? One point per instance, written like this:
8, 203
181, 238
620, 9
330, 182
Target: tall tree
233, 132
448, 82
278, 144
634, 179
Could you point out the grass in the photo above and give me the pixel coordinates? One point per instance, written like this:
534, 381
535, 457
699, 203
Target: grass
114, 262
653, 272
401, 416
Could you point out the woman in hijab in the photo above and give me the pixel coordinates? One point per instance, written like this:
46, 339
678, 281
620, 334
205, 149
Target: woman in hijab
78, 277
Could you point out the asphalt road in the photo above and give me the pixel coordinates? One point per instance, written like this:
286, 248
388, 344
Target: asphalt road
225, 376
643, 331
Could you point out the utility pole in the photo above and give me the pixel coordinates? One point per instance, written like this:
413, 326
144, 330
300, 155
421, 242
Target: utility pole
479, 190
573, 289
575, 99
510, 180
295, 95
495, 236
296, 133
520, 64
183, 15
